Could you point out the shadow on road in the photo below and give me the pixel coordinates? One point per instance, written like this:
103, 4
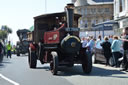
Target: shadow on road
23, 55
107, 72
77, 70
6, 62
2, 65
47, 68
96, 71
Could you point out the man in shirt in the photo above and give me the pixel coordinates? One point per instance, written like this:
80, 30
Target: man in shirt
90, 45
125, 47
116, 44
9, 47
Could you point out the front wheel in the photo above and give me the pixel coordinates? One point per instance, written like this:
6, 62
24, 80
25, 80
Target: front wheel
32, 60
87, 63
18, 53
54, 63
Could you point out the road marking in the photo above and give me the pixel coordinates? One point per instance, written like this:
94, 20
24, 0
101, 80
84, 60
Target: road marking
9, 80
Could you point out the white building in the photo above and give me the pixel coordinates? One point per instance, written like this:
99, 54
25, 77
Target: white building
73, 1
94, 12
121, 13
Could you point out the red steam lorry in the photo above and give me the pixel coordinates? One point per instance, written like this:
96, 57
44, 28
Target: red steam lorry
55, 40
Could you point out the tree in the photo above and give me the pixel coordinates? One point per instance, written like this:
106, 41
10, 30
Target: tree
6, 28
4, 32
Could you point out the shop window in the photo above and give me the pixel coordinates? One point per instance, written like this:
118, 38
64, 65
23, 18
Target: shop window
93, 10
86, 23
93, 22
85, 11
107, 10
121, 7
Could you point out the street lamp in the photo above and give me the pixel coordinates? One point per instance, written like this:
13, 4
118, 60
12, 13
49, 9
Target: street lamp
45, 6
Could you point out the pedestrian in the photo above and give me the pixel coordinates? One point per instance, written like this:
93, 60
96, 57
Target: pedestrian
106, 45
90, 45
125, 48
84, 42
98, 39
110, 38
98, 42
116, 44
9, 47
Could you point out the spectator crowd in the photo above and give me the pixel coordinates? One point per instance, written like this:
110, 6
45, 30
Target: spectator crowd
112, 46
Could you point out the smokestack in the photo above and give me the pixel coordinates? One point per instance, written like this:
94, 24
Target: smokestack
70, 14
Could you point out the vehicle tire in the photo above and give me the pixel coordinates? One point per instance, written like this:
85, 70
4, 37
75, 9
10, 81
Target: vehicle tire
54, 63
1, 57
111, 61
18, 54
32, 60
94, 59
87, 63
41, 53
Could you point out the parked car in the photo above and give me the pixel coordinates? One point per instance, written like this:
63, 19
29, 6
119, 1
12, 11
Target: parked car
98, 55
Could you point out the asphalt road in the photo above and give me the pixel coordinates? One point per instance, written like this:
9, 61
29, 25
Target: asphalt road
15, 71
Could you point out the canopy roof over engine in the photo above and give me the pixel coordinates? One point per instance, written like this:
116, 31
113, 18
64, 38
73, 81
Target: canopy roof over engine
55, 15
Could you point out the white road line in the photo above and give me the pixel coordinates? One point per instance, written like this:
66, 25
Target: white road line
13, 82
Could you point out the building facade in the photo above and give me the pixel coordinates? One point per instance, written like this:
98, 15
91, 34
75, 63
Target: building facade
73, 1
121, 14
93, 12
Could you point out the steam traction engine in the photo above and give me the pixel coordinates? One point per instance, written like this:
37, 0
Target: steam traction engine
56, 41
23, 44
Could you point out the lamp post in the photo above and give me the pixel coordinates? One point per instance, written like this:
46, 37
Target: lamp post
103, 20
103, 30
45, 6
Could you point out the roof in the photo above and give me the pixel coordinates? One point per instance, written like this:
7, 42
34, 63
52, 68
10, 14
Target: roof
53, 15
102, 0
98, 2
23, 30
107, 25
92, 2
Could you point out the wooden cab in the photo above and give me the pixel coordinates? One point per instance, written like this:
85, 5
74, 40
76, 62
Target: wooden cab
50, 28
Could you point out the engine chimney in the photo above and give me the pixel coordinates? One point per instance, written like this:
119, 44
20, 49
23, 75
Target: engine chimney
70, 14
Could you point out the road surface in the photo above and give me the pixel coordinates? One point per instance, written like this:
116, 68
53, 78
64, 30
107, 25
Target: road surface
16, 71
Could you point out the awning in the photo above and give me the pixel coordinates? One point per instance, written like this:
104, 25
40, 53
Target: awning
108, 25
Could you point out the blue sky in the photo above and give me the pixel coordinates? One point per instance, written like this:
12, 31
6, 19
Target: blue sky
18, 14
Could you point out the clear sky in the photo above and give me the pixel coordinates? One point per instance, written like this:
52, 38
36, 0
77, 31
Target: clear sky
18, 14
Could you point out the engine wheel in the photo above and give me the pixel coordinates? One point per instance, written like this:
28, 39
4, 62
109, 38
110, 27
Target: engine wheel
87, 63
18, 54
54, 63
41, 53
32, 60
1, 57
